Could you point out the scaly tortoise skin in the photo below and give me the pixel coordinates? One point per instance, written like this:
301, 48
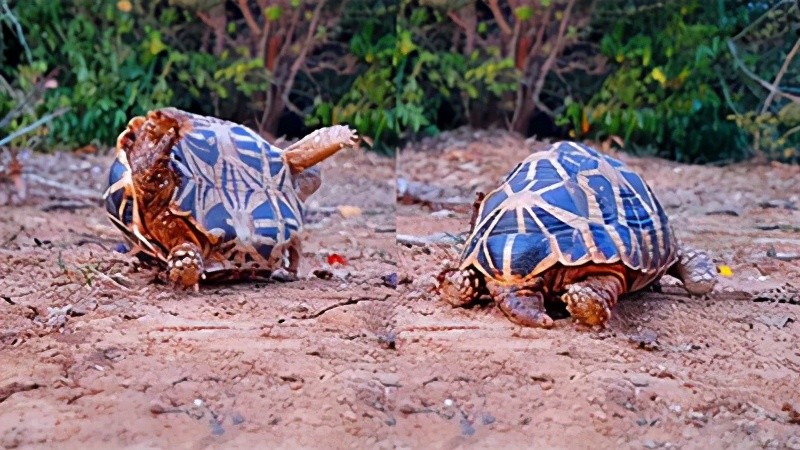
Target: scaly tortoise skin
572, 224
210, 199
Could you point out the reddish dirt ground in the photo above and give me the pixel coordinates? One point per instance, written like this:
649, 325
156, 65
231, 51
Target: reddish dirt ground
96, 355
671, 372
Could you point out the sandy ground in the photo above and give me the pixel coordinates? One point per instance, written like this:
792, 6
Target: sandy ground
96, 355
672, 371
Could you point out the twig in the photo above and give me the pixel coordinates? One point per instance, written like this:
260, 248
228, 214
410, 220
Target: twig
780, 75
300, 60
33, 126
551, 58
65, 188
498, 17
756, 78
20, 35
248, 17
758, 21
424, 241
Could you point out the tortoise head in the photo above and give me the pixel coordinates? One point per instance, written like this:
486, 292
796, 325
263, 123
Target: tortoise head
302, 156
307, 182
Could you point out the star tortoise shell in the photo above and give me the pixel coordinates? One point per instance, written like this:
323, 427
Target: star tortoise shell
212, 199
570, 219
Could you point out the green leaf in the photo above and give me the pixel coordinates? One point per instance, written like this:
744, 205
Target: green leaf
273, 13
524, 13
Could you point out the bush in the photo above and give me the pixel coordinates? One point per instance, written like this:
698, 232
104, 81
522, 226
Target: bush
666, 92
117, 60
410, 80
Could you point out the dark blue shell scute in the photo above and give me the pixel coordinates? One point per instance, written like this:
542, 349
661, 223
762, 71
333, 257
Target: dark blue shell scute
493, 200
528, 249
569, 197
219, 217
605, 197
114, 199
603, 241
204, 147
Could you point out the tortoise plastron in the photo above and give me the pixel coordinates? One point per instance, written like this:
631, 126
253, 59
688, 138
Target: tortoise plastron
211, 199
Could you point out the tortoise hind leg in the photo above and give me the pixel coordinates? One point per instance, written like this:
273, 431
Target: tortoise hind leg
523, 305
589, 302
185, 266
696, 269
291, 260
317, 146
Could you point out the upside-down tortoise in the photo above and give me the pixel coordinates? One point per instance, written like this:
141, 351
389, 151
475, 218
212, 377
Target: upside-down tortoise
210, 199
570, 223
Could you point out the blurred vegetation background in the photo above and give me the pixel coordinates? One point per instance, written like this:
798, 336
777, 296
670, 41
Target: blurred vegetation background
708, 81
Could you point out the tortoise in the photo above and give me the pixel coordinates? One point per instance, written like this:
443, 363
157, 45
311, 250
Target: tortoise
575, 225
210, 199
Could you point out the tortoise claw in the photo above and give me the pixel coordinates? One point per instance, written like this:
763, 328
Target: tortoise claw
522, 305
185, 266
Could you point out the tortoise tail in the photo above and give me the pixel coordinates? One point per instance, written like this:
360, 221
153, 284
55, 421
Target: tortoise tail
317, 146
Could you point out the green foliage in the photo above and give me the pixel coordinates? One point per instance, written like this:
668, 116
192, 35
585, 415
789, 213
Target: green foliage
115, 61
778, 133
396, 69
666, 94
411, 82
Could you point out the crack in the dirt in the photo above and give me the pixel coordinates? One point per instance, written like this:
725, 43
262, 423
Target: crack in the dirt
13, 388
348, 302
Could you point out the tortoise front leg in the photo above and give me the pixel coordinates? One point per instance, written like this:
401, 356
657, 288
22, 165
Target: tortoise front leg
460, 287
524, 305
589, 302
185, 266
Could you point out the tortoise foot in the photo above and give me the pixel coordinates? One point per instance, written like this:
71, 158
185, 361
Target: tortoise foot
185, 266
459, 287
522, 306
589, 302
283, 275
697, 271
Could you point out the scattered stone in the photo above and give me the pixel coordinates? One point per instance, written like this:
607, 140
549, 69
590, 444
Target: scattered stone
646, 339
793, 443
640, 380
649, 443
466, 427
237, 418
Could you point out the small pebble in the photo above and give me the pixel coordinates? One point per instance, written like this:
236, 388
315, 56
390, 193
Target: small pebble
448, 403
640, 380
198, 402
793, 443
